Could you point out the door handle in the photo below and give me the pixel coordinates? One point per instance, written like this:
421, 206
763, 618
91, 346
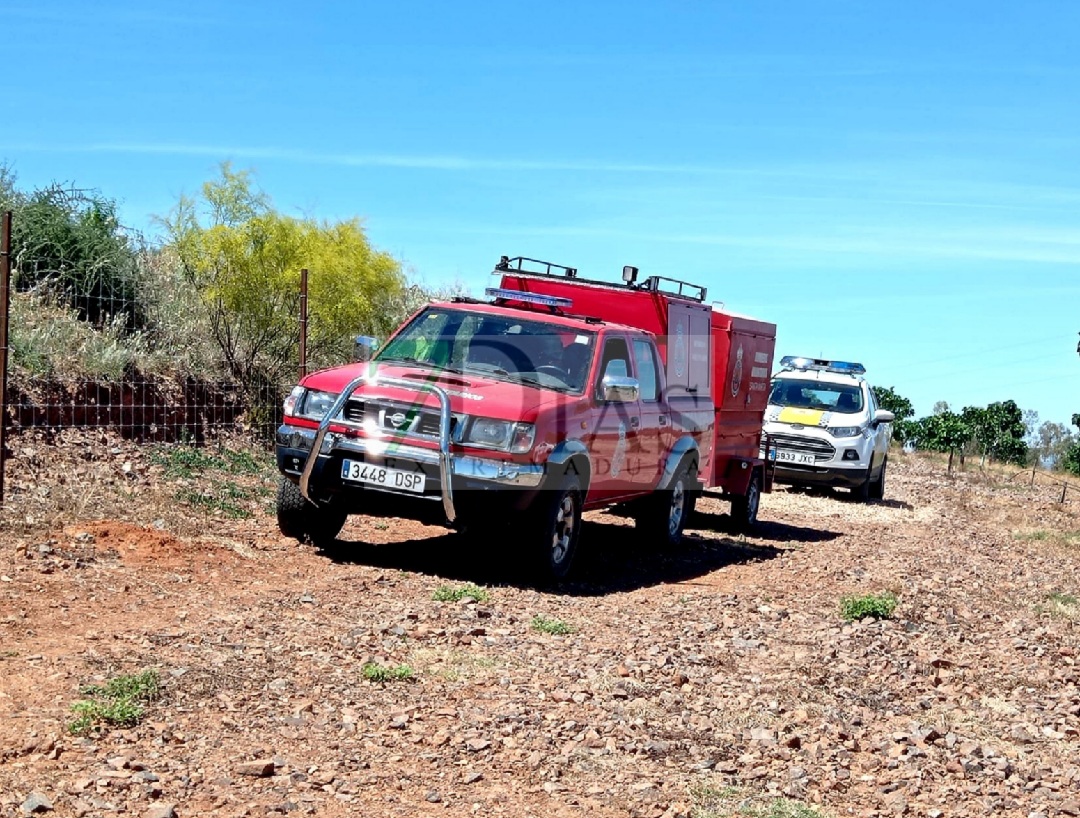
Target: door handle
635, 422
663, 420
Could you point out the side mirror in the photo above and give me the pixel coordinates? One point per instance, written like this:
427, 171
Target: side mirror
883, 416
364, 348
620, 389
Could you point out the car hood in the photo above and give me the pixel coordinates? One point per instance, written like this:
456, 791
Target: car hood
469, 393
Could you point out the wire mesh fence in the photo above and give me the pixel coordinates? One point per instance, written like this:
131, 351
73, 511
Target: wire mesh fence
106, 332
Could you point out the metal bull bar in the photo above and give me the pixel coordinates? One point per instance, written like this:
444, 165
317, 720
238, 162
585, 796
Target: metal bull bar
445, 463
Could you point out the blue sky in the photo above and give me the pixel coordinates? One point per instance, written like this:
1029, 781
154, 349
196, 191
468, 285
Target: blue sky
894, 183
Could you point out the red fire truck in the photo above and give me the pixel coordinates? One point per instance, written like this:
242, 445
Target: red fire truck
554, 396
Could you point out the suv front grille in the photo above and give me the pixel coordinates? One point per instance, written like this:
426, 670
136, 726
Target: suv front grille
403, 419
820, 449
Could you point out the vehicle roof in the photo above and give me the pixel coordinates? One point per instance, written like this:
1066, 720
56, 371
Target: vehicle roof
569, 321
820, 375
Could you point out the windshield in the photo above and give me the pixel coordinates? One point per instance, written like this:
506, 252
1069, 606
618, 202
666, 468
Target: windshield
503, 347
847, 399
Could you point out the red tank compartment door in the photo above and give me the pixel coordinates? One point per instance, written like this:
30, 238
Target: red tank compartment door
688, 350
749, 366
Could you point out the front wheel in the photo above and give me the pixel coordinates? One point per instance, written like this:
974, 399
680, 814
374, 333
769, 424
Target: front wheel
557, 529
744, 507
302, 520
877, 487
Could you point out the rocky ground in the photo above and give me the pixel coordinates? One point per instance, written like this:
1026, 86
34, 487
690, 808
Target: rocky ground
711, 680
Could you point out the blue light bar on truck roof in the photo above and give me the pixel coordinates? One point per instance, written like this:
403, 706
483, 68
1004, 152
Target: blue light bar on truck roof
801, 363
528, 298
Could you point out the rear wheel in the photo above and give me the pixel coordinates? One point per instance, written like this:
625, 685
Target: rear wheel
744, 508
302, 520
557, 528
877, 487
662, 516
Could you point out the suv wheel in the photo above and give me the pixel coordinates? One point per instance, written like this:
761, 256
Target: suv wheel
744, 509
877, 487
558, 528
302, 520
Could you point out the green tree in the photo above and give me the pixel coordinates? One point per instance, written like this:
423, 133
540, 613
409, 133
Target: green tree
1053, 442
944, 432
904, 429
244, 258
1070, 461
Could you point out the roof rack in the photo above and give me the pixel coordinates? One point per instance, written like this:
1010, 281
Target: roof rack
793, 362
681, 289
519, 262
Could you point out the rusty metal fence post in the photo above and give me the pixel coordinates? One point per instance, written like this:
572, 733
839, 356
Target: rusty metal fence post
5, 295
303, 323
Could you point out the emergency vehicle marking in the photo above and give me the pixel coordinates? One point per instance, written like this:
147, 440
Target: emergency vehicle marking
736, 374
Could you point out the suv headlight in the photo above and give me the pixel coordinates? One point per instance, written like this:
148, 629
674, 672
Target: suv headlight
504, 435
845, 431
309, 403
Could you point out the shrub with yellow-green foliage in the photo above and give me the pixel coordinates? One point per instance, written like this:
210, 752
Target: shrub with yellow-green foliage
243, 259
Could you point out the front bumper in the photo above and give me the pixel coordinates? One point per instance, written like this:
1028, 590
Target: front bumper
467, 473
818, 459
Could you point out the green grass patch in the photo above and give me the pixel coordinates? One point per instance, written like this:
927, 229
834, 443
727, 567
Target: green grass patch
1063, 605
185, 460
120, 702
879, 606
217, 498
381, 673
1037, 535
555, 627
446, 593
726, 802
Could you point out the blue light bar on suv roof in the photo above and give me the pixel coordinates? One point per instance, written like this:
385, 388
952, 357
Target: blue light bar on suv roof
528, 298
843, 367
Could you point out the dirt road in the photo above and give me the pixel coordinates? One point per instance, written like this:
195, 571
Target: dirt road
691, 681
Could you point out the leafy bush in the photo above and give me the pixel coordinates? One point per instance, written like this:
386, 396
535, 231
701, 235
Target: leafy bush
381, 673
444, 593
71, 241
556, 627
879, 606
120, 702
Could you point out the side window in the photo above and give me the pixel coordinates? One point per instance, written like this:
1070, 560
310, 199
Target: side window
616, 360
872, 400
645, 365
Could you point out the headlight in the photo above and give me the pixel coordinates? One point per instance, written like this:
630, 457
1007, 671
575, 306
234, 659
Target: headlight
845, 431
317, 404
309, 403
505, 435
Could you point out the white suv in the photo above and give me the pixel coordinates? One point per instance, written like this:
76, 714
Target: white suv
825, 427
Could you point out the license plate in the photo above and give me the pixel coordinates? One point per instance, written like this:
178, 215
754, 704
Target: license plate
374, 475
794, 457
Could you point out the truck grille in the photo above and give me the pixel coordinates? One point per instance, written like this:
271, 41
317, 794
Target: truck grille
820, 449
397, 418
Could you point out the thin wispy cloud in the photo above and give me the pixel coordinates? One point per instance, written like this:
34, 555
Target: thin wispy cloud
406, 161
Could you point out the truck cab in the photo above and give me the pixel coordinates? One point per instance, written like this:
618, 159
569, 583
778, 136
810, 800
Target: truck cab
535, 405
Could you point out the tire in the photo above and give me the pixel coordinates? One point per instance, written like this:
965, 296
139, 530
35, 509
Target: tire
662, 517
302, 520
877, 488
556, 529
744, 508
861, 493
